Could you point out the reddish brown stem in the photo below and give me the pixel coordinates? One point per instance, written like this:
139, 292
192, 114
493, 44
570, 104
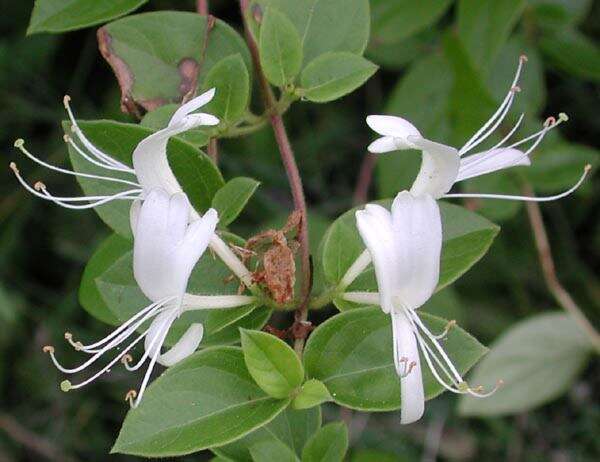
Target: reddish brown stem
549, 270
213, 150
202, 7
365, 176
291, 170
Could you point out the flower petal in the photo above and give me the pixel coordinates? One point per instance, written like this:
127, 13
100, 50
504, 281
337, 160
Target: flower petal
411, 384
160, 325
383, 144
392, 126
490, 161
192, 105
196, 240
185, 346
134, 214
375, 227
439, 168
417, 228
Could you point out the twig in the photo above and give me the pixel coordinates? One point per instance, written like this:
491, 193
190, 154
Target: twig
29, 439
291, 169
544, 251
365, 175
202, 7
213, 150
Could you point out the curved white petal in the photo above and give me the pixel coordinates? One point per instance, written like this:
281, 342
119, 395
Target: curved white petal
439, 168
185, 346
134, 214
411, 383
166, 248
383, 144
375, 227
392, 126
150, 155
490, 161
192, 105
158, 328
417, 228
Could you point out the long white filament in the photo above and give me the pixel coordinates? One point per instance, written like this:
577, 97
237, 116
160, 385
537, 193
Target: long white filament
586, 170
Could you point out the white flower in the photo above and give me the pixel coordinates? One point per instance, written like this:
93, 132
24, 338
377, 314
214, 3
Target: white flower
150, 166
166, 249
405, 247
442, 166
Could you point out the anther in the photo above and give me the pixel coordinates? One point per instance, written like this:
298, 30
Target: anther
411, 366
19, 143
523, 58
563, 117
515, 89
39, 186
66, 138
68, 336
127, 359
463, 387
48, 349
587, 168
549, 121
13, 167
65, 385
130, 396
66, 100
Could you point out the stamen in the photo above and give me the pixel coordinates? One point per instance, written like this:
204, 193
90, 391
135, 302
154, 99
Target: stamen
66, 385
48, 349
498, 116
449, 326
69, 338
83, 154
127, 359
87, 143
586, 170
130, 396
20, 145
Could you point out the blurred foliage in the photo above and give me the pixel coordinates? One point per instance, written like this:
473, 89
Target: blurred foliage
43, 249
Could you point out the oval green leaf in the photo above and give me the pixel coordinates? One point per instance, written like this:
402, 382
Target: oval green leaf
291, 428
61, 16
333, 75
231, 199
272, 363
163, 56
329, 444
312, 393
537, 359
351, 353
280, 48
195, 172
206, 400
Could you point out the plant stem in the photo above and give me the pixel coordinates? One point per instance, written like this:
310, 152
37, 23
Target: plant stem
365, 175
213, 150
202, 7
291, 169
544, 251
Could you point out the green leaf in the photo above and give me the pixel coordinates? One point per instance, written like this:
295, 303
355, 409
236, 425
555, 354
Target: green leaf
62, 16
466, 238
329, 444
396, 20
312, 393
574, 53
206, 400
421, 96
195, 172
321, 24
538, 359
333, 75
162, 56
231, 79
267, 451
272, 363
159, 118
121, 294
291, 428
351, 353
484, 26
556, 14
372, 455
231, 199
111, 249
280, 48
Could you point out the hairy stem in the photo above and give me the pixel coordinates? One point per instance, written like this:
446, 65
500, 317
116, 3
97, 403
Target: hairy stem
213, 150
291, 169
544, 251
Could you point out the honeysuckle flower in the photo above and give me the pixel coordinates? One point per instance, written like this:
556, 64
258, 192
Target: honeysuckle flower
166, 249
405, 246
150, 165
442, 166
